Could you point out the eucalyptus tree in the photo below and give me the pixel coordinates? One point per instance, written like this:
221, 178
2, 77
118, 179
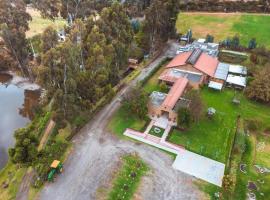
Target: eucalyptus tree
160, 18
14, 23
70, 9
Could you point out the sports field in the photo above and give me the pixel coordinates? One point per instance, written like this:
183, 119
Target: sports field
223, 25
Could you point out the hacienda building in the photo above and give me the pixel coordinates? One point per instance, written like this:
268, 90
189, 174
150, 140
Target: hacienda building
166, 105
193, 68
196, 65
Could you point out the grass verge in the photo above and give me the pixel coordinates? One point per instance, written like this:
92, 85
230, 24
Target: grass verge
12, 175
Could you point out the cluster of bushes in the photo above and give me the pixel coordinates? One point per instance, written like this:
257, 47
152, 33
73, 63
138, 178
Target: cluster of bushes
53, 150
259, 68
260, 6
253, 124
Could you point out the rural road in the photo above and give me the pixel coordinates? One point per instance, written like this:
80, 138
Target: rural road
96, 154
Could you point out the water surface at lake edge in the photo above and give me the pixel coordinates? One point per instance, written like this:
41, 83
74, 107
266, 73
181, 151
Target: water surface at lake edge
16, 105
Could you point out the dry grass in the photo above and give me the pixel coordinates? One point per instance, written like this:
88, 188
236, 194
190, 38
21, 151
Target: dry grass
38, 23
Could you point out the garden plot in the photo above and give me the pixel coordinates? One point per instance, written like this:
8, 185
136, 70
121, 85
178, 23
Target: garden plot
156, 131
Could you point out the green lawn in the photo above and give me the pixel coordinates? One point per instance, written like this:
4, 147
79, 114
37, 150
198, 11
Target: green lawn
12, 175
122, 120
212, 138
128, 178
254, 156
156, 131
223, 25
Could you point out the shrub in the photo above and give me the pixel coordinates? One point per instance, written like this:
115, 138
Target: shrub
184, 117
227, 182
163, 87
135, 102
253, 124
196, 105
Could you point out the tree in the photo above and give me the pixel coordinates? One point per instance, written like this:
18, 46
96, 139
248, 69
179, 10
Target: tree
209, 38
25, 150
135, 102
183, 117
235, 41
115, 23
6, 61
70, 9
160, 22
14, 23
252, 43
259, 88
196, 105
49, 39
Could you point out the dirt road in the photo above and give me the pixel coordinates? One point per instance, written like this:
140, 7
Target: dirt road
96, 153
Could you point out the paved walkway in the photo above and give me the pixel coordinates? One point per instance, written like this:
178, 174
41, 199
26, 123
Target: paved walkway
153, 141
201, 167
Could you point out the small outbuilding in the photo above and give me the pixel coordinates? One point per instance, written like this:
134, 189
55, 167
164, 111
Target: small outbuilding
236, 81
237, 70
215, 85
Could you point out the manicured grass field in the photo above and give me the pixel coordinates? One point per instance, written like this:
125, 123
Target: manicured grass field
154, 131
212, 137
223, 25
128, 178
38, 24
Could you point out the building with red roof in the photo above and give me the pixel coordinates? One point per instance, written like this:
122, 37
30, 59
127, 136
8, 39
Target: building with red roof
166, 104
196, 65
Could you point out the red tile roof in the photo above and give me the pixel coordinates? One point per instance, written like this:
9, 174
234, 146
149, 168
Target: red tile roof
165, 76
207, 64
179, 59
175, 93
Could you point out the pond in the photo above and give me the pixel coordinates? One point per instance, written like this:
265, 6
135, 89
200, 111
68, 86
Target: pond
16, 110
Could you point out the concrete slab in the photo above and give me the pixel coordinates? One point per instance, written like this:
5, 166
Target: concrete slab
161, 122
201, 167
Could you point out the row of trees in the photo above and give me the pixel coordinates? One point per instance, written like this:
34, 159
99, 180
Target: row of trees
226, 6
234, 43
